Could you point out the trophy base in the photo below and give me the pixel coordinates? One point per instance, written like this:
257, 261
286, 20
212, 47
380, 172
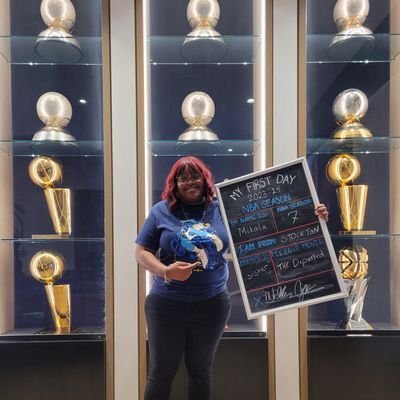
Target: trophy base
58, 332
357, 232
198, 140
62, 49
353, 130
198, 134
51, 236
353, 325
54, 141
347, 47
53, 134
203, 49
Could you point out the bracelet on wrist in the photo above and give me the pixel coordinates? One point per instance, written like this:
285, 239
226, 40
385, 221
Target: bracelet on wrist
166, 280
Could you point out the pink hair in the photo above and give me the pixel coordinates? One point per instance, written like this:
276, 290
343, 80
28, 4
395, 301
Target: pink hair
194, 165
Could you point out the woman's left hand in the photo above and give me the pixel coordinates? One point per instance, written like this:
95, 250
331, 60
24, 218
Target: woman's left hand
322, 212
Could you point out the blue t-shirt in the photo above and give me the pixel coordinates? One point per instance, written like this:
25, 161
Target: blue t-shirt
203, 237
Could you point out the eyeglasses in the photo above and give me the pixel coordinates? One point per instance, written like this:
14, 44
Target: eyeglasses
186, 178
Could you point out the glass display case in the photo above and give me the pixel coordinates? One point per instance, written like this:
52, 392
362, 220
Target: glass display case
52, 229
349, 131
351, 138
216, 52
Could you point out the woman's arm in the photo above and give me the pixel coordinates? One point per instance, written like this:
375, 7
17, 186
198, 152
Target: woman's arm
148, 260
178, 270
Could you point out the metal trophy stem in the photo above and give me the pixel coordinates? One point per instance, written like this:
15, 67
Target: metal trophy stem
59, 298
203, 43
354, 305
59, 205
56, 43
352, 200
353, 40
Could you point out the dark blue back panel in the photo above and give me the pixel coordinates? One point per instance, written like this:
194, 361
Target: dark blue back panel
83, 175
324, 83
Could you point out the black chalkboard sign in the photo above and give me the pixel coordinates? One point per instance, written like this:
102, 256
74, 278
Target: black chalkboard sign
282, 251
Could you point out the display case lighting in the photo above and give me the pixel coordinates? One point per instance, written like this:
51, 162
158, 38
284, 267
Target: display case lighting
263, 78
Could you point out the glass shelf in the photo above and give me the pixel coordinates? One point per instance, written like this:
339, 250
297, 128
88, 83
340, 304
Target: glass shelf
237, 50
328, 328
377, 236
79, 148
30, 240
37, 335
384, 144
204, 148
242, 331
386, 47
22, 50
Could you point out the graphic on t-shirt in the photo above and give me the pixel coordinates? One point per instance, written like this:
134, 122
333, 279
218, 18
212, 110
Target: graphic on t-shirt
198, 241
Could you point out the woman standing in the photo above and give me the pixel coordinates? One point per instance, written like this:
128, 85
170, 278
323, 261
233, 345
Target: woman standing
183, 243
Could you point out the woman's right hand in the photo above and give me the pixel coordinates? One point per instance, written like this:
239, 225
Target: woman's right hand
180, 270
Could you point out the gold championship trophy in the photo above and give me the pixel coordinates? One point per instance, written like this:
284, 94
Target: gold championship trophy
354, 266
46, 172
353, 39
47, 267
198, 111
56, 43
203, 43
343, 170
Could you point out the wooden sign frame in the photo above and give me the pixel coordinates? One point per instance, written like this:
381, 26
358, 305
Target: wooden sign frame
279, 266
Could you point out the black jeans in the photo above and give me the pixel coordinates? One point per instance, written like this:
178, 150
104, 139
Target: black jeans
177, 328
